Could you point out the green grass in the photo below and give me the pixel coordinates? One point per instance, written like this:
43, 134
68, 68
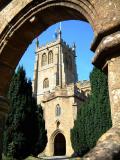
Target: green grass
31, 158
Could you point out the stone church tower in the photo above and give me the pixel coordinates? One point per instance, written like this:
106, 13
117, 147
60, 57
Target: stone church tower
55, 87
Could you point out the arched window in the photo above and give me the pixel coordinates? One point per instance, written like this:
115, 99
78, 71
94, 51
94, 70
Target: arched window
44, 59
46, 83
67, 63
50, 57
70, 64
58, 110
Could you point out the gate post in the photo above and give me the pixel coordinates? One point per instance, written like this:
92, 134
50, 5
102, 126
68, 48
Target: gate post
107, 58
114, 88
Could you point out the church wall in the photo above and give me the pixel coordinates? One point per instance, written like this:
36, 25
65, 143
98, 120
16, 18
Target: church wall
49, 71
66, 120
69, 67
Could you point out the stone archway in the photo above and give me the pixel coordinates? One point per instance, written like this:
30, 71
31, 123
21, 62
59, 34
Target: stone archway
30, 18
21, 21
59, 145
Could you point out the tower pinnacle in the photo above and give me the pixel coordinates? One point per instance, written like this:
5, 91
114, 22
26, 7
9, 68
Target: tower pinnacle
37, 42
58, 33
74, 49
60, 26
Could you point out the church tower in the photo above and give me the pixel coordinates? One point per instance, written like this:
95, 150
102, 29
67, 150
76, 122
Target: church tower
54, 86
55, 66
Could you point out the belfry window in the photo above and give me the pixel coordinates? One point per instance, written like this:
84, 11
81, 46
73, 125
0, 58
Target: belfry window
50, 57
70, 65
67, 63
44, 59
58, 110
46, 83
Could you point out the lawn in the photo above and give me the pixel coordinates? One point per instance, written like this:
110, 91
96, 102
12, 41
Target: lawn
33, 158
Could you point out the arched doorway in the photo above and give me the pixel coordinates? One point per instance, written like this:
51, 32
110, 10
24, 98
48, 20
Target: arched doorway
59, 145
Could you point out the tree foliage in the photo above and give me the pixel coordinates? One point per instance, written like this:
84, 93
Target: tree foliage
94, 117
25, 126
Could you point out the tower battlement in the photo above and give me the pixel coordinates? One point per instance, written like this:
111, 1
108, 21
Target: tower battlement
48, 45
67, 91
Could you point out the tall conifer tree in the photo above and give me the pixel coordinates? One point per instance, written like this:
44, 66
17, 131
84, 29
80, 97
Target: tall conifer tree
25, 121
94, 117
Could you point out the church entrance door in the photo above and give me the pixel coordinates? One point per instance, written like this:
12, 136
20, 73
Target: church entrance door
59, 145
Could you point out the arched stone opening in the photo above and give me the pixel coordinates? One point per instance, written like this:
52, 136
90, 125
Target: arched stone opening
31, 21
59, 145
21, 21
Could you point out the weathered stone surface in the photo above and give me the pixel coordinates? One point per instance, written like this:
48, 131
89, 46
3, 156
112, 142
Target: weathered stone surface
109, 46
107, 147
114, 88
29, 18
21, 21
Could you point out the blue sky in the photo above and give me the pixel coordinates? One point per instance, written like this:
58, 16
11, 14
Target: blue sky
72, 31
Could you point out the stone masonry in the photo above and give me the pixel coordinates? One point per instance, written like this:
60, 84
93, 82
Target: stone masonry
21, 21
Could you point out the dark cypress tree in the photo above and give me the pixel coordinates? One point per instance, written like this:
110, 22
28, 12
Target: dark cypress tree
22, 128
94, 117
42, 134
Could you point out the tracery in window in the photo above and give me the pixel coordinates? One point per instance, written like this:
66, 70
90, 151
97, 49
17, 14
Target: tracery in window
70, 65
58, 110
50, 57
46, 83
44, 59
